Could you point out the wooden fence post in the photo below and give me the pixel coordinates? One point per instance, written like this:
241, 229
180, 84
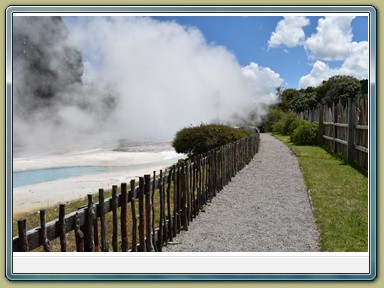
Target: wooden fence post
103, 224
191, 192
188, 193
351, 131
216, 173
334, 110
210, 176
63, 240
43, 232
161, 220
141, 215
23, 239
175, 195
179, 195
96, 233
78, 234
114, 218
123, 217
169, 213
134, 218
204, 195
165, 202
199, 200
147, 192
193, 173
154, 246
211, 170
184, 197
321, 124
88, 237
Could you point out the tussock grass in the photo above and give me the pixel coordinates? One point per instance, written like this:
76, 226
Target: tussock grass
339, 197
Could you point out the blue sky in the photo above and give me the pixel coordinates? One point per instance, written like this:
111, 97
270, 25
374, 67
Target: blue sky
247, 38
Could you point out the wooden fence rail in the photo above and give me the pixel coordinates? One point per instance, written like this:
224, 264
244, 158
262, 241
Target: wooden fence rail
343, 129
164, 205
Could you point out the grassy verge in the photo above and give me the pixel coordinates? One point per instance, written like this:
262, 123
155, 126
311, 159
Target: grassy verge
339, 197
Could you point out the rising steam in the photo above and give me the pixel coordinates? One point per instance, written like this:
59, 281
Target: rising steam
109, 78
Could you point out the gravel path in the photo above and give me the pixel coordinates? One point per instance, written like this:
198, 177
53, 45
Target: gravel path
265, 208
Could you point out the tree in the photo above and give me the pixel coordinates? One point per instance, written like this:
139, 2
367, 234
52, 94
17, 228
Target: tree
311, 97
303, 99
339, 88
364, 87
286, 97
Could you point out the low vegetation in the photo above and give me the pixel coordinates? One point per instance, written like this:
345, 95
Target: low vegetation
301, 132
339, 196
200, 139
286, 124
305, 133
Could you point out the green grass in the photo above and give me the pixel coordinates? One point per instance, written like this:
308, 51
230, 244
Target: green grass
339, 196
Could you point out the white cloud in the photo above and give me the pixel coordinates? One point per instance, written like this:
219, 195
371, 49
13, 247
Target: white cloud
333, 39
333, 42
263, 81
320, 71
289, 32
356, 65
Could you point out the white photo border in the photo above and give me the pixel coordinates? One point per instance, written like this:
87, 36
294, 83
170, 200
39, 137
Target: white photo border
16, 271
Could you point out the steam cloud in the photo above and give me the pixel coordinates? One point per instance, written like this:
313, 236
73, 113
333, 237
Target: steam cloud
136, 78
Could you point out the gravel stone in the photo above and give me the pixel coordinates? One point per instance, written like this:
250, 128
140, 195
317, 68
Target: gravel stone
265, 208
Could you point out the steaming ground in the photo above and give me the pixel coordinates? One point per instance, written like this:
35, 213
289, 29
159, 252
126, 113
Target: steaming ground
87, 79
130, 159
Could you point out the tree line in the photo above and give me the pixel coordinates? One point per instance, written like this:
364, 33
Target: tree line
336, 89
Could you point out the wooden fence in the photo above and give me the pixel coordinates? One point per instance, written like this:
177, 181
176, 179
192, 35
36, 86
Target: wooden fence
151, 213
343, 129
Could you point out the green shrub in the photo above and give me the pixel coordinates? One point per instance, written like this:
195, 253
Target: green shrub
273, 116
286, 125
305, 133
278, 127
200, 139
